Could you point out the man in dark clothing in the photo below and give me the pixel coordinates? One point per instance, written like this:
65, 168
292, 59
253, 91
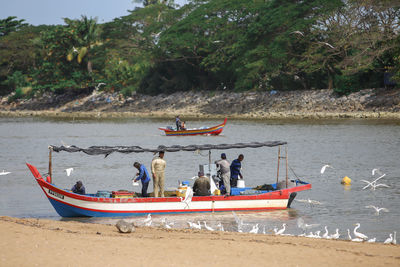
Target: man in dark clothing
235, 167
143, 176
178, 123
78, 188
202, 185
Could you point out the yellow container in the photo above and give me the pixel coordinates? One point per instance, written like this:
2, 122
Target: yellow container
217, 192
346, 181
181, 192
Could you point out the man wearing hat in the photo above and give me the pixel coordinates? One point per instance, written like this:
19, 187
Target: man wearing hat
202, 185
224, 168
158, 172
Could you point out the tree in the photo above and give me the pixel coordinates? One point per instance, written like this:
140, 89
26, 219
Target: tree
10, 24
86, 36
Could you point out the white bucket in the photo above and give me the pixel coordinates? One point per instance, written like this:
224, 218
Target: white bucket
240, 183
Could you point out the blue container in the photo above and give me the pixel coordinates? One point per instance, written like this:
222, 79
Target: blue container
103, 194
235, 191
185, 183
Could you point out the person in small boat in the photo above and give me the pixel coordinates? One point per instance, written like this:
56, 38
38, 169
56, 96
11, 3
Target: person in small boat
235, 167
224, 168
158, 172
143, 176
78, 188
202, 185
178, 123
183, 125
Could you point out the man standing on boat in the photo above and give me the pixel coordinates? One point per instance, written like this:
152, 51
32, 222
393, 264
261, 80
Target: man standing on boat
142, 175
178, 123
235, 170
224, 167
158, 171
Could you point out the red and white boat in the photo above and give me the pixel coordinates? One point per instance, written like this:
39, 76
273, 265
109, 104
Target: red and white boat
69, 204
215, 130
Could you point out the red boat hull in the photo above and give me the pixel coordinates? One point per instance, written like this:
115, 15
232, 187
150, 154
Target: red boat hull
216, 130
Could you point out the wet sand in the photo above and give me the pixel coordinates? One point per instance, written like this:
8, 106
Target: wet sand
40, 242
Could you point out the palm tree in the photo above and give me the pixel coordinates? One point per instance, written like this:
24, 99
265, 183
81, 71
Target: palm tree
86, 32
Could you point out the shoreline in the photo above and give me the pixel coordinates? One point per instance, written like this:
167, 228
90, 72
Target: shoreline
290, 105
395, 116
71, 243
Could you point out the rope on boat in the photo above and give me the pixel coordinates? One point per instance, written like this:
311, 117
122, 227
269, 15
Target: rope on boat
107, 150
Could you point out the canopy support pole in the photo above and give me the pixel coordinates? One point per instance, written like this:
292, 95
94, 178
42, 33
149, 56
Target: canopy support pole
279, 158
50, 167
287, 178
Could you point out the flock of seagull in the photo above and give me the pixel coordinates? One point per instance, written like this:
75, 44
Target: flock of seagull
256, 229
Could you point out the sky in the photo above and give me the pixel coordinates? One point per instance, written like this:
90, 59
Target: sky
50, 12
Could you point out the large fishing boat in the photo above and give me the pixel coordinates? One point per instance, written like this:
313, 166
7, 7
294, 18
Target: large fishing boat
215, 130
68, 204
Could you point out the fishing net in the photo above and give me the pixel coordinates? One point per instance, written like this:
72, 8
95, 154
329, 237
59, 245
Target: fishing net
107, 150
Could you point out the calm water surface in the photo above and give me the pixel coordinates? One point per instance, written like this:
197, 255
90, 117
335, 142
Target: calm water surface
352, 147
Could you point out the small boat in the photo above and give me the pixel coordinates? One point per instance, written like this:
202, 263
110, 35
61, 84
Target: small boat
68, 204
215, 130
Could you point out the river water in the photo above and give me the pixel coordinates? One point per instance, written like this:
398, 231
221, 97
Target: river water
352, 147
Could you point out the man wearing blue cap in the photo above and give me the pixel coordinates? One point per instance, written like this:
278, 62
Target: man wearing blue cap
224, 167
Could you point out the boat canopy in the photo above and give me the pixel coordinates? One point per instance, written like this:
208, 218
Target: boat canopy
107, 150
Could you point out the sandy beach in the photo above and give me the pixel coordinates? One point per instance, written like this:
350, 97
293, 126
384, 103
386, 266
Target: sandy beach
41, 242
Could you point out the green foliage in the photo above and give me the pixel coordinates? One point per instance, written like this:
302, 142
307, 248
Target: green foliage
234, 45
10, 24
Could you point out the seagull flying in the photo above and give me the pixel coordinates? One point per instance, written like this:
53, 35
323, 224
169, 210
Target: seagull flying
373, 183
309, 201
4, 172
376, 171
377, 210
69, 171
324, 168
304, 226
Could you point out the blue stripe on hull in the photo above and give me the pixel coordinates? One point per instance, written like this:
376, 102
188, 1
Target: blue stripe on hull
65, 210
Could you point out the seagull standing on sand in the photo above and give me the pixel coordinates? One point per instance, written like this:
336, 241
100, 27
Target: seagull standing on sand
207, 227
326, 234
166, 225
335, 235
353, 239
377, 210
279, 232
389, 240
254, 230
357, 234
148, 220
195, 226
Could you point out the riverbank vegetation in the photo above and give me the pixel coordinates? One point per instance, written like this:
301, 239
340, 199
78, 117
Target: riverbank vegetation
231, 45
